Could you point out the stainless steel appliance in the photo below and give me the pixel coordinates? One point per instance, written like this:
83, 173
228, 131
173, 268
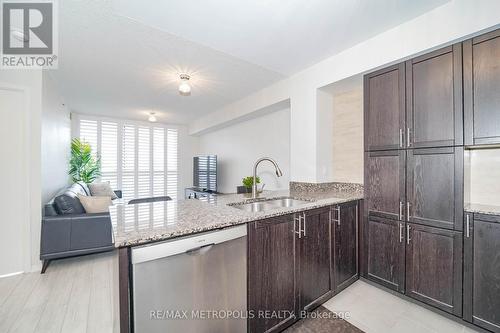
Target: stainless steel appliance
192, 284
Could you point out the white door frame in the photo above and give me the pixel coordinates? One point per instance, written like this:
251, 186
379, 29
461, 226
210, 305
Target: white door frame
26, 241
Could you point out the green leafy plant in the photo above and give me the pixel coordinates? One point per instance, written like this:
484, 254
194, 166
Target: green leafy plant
248, 181
83, 165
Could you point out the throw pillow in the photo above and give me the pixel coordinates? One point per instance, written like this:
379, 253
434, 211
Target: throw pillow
68, 203
102, 190
95, 204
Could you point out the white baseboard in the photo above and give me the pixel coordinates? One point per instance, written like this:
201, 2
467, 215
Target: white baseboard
10, 274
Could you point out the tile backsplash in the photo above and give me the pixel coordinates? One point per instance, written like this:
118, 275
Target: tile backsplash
482, 176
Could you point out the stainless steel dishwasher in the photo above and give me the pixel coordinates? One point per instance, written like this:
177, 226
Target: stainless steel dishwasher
192, 284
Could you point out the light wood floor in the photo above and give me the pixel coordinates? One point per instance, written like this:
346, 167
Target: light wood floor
74, 295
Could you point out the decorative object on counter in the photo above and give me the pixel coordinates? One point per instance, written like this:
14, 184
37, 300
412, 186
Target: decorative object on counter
248, 183
243, 189
83, 166
325, 187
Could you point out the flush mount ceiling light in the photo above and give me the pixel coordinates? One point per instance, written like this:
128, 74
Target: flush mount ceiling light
152, 117
184, 87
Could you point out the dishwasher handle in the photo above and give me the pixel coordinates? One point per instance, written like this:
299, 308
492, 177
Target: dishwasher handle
200, 250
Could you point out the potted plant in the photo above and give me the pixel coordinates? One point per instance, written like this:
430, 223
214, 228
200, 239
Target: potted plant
83, 165
247, 184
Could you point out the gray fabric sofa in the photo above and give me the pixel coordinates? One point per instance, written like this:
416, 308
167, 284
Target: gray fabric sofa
67, 230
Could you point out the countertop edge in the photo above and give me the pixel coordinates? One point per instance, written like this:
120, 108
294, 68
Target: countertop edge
178, 234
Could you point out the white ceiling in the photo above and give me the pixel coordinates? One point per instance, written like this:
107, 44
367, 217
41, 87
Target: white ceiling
283, 36
122, 58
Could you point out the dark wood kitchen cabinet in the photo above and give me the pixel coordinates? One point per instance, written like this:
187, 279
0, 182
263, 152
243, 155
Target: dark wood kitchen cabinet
314, 257
434, 187
385, 252
344, 245
481, 87
434, 99
385, 183
271, 273
434, 267
384, 104
289, 267
482, 271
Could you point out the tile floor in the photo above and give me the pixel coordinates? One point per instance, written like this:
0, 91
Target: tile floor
376, 311
325, 322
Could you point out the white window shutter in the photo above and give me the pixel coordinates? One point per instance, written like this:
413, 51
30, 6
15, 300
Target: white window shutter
145, 166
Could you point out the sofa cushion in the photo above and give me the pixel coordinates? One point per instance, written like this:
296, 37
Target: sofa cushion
94, 204
102, 189
68, 202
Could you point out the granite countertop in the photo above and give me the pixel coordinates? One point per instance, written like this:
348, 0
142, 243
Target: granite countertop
482, 209
149, 222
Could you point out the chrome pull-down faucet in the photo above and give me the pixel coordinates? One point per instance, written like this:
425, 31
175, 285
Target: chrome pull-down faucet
279, 173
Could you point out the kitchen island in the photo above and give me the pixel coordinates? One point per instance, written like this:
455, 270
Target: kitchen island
150, 223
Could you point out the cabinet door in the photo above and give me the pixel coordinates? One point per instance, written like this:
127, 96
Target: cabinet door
435, 187
271, 273
481, 87
314, 258
344, 245
482, 267
434, 267
385, 259
385, 183
384, 106
434, 99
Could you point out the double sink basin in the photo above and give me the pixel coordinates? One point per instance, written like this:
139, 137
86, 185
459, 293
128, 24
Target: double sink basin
269, 204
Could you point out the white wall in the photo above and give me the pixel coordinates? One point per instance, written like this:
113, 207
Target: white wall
23, 145
462, 18
347, 136
238, 147
56, 139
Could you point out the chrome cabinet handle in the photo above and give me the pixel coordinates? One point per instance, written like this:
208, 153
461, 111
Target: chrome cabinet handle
295, 219
401, 205
408, 139
467, 226
408, 211
304, 222
338, 217
401, 236
408, 238
401, 135
357, 214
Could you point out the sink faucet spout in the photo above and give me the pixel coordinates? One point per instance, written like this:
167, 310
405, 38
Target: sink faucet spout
279, 173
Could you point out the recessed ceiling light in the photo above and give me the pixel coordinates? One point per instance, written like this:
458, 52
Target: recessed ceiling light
152, 117
184, 87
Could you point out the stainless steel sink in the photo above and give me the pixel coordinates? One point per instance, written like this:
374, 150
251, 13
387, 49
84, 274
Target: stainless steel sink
270, 204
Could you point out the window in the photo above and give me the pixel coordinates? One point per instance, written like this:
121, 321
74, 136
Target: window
139, 159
